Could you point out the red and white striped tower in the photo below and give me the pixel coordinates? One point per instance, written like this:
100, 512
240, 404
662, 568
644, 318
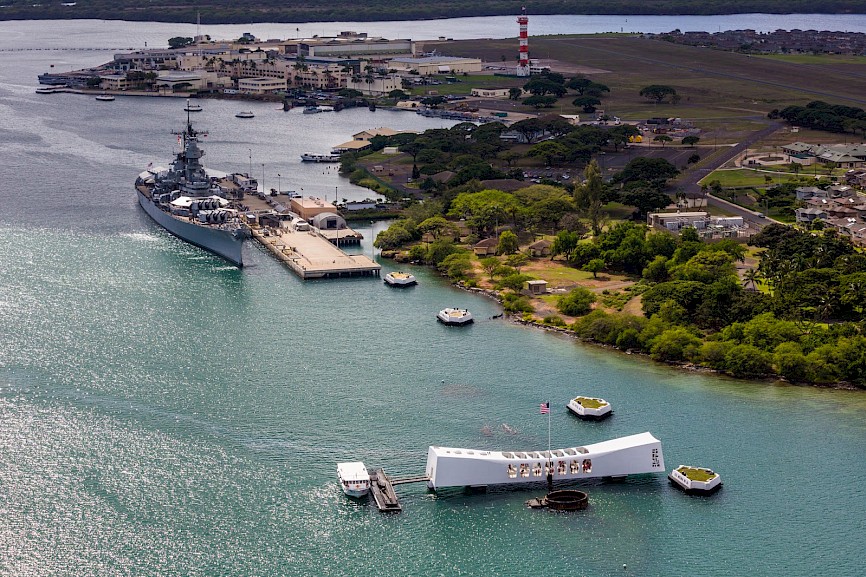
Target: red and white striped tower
523, 54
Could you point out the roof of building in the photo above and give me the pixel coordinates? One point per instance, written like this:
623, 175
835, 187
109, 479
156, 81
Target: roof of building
435, 60
543, 243
380, 131
487, 242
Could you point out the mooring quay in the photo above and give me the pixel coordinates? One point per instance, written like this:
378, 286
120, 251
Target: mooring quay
306, 236
311, 255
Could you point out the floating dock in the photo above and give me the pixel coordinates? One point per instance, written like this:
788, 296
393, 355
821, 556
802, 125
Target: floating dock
311, 255
383, 492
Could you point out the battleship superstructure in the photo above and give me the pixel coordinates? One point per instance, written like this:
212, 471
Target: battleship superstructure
201, 209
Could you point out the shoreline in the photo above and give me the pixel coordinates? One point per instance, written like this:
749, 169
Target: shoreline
569, 333
347, 14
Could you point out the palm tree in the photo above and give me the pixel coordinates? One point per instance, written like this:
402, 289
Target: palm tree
751, 277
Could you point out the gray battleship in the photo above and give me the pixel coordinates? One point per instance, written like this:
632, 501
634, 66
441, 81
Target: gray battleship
199, 208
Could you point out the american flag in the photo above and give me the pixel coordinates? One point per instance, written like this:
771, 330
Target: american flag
545, 408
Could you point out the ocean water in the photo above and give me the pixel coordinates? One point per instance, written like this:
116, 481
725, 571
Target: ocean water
162, 413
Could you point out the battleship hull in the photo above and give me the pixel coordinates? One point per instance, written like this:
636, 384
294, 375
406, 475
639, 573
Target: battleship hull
221, 242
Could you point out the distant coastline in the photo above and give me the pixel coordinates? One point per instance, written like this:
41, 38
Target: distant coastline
221, 12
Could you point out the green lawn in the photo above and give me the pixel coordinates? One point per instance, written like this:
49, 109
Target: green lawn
815, 58
697, 474
737, 177
465, 84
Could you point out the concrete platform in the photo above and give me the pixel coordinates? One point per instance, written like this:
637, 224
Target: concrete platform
310, 255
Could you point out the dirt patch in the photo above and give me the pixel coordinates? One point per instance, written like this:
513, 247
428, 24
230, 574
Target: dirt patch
570, 68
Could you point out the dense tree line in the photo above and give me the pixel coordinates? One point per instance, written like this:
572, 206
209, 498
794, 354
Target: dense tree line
823, 116
227, 12
809, 326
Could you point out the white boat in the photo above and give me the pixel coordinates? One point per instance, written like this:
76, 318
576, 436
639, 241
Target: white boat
451, 316
354, 478
312, 110
400, 279
695, 480
307, 157
590, 408
105, 97
617, 458
190, 107
45, 91
245, 114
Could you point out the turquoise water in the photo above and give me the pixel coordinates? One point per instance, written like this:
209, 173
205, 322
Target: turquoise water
162, 413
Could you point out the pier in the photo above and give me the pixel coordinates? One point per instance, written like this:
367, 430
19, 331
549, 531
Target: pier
311, 255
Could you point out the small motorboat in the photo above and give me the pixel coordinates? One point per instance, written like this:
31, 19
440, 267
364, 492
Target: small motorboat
104, 97
590, 408
245, 114
354, 479
455, 317
400, 279
190, 107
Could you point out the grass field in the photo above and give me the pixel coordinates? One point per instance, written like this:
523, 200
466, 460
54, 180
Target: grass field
820, 59
725, 91
739, 177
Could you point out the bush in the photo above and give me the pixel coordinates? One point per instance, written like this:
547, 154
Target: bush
456, 265
515, 303
418, 253
748, 361
514, 281
576, 303
676, 344
554, 320
791, 363
713, 354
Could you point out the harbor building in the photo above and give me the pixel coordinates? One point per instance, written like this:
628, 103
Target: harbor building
308, 207
261, 85
430, 65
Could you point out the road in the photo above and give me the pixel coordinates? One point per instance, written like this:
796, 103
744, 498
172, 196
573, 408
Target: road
689, 181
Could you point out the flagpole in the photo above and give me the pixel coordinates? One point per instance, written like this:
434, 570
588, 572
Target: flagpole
549, 455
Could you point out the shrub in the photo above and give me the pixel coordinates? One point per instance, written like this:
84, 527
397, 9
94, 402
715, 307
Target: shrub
748, 361
418, 253
515, 303
576, 303
554, 320
514, 281
713, 354
791, 363
676, 344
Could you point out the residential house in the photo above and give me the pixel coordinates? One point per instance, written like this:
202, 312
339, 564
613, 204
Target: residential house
540, 248
486, 247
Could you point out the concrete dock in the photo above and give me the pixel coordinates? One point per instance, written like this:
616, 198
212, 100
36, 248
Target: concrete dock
311, 255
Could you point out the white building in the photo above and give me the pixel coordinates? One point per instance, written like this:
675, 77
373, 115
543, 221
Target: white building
375, 85
491, 92
435, 65
261, 85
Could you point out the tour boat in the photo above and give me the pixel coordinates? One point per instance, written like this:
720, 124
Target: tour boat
105, 97
400, 279
695, 480
354, 479
190, 107
308, 157
451, 316
245, 114
616, 458
590, 408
